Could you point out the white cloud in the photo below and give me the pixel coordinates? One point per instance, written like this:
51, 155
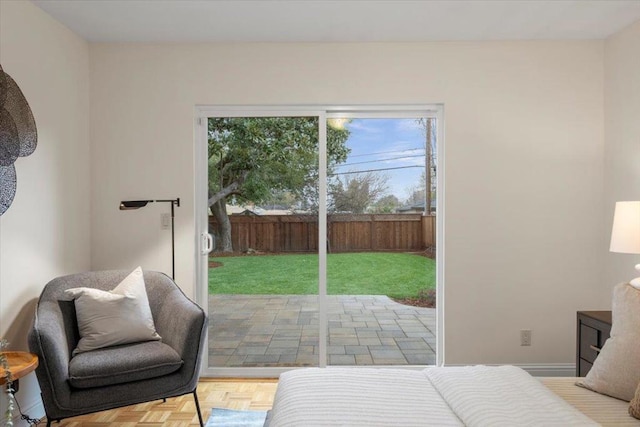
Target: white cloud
361, 125
409, 125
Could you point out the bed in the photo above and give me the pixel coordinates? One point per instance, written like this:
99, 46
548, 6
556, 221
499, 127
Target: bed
603, 409
449, 396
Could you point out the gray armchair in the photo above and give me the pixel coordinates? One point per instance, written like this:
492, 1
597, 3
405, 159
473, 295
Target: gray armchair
122, 375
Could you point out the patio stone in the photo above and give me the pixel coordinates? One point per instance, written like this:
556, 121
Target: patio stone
219, 360
340, 332
226, 344
259, 358
374, 325
221, 351
250, 350
306, 360
236, 360
343, 341
386, 318
380, 348
261, 329
287, 359
306, 349
285, 321
367, 332
409, 329
368, 341
354, 324
284, 343
388, 341
336, 349
395, 333
390, 362
418, 359
281, 330
426, 334
356, 349
413, 345
364, 359
256, 339
341, 359
287, 333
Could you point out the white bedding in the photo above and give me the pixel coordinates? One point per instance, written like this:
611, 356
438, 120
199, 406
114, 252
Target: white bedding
473, 396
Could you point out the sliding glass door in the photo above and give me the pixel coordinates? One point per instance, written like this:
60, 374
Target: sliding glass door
316, 237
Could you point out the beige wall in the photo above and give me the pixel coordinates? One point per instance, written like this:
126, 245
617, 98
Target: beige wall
45, 233
524, 170
622, 140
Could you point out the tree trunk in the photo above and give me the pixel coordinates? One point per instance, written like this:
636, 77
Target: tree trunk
223, 226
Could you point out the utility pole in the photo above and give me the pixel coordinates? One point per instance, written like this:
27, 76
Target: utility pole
429, 163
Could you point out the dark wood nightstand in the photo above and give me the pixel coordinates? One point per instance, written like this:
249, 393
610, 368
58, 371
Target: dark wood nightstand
594, 328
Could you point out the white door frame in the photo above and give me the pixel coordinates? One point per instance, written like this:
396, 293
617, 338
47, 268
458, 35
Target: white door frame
202, 113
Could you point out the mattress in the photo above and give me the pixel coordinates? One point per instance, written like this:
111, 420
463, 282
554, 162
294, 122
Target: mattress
452, 396
603, 409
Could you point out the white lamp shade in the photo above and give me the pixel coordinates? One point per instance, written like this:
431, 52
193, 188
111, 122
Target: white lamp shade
625, 235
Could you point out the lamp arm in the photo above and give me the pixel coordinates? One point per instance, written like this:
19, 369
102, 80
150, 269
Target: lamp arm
136, 204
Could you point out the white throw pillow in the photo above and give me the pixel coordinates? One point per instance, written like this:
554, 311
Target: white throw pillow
634, 407
120, 316
616, 370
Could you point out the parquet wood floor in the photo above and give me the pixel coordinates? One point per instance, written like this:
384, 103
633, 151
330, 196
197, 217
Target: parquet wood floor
247, 394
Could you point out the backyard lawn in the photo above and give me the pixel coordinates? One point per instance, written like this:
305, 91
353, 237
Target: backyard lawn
397, 275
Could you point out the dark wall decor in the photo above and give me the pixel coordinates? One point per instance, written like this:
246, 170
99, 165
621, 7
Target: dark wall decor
18, 136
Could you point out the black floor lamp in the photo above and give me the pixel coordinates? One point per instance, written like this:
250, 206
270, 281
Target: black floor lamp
128, 205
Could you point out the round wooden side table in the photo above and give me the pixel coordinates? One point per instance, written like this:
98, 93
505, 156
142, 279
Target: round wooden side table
21, 363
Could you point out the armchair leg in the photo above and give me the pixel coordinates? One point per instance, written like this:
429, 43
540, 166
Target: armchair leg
195, 398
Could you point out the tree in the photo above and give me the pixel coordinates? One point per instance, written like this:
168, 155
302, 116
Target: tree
355, 192
417, 193
281, 199
385, 204
250, 158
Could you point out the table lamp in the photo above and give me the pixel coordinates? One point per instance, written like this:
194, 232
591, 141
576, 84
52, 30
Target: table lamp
625, 234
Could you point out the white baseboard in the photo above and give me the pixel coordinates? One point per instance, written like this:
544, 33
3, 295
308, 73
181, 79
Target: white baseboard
550, 369
543, 369
535, 369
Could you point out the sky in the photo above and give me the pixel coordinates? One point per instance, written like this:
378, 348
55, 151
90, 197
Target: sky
387, 143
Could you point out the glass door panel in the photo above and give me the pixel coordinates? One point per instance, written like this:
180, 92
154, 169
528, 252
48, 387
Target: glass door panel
381, 207
263, 270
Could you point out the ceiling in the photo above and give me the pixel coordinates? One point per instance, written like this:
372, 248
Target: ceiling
341, 20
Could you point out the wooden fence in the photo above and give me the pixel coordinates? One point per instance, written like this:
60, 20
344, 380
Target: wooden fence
346, 232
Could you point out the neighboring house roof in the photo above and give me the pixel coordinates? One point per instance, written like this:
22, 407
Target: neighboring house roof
416, 208
235, 210
256, 210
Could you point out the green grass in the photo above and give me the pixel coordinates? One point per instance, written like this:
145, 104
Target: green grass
396, 275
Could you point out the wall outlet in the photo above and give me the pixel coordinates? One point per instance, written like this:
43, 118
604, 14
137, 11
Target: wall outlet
525, 337
165, 221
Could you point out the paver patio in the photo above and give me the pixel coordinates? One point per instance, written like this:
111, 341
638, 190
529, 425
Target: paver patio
282, 330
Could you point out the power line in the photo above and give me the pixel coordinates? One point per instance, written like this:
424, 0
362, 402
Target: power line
375, 170
387, 152
380, 160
